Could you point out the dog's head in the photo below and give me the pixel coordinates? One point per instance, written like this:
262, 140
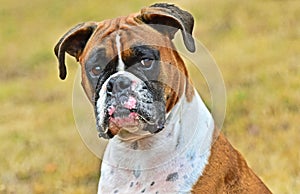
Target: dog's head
126, 63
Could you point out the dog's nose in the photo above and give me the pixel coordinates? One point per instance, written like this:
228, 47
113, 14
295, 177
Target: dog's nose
118, 84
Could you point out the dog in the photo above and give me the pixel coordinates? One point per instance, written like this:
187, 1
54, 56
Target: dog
162, 138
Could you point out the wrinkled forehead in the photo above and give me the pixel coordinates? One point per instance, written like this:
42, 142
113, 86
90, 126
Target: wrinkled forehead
122, 34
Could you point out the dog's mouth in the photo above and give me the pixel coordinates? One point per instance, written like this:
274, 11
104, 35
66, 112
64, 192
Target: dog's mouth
123, 116
134, 110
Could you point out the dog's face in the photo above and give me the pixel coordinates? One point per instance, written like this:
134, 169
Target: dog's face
123, 74
126, 63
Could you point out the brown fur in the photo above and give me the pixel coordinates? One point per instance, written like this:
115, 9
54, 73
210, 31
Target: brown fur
80, 40
228, 172
176, 78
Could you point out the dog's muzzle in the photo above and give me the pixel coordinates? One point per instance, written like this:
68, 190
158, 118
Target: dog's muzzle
129, 105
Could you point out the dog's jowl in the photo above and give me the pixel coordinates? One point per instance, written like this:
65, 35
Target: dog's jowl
162, 138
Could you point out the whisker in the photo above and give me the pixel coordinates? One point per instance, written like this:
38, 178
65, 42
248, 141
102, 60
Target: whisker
145, 120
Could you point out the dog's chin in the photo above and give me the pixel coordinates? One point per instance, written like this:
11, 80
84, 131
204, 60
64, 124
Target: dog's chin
130, 123
128, 129
132, 126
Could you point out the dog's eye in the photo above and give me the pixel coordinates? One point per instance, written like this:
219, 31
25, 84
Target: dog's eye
147, 63
96, 70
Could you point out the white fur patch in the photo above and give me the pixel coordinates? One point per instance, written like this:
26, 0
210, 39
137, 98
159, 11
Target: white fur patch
101, 105
121, 65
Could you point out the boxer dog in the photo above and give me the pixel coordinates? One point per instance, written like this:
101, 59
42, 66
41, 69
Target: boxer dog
162, 138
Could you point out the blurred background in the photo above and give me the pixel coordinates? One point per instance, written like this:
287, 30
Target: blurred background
255, 43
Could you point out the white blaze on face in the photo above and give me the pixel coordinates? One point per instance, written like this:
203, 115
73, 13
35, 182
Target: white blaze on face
121, 65
102, 93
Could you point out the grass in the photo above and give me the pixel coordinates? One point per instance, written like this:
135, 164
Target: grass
256, 45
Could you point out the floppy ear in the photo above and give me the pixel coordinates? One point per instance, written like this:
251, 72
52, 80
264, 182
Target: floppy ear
170, 18
73, 42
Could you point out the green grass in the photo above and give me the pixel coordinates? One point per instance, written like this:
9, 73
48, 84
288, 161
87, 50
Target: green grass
256, 45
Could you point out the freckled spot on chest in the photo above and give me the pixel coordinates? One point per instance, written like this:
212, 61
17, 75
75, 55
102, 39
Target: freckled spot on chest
137, 173
131, 184
172, 177
134, 145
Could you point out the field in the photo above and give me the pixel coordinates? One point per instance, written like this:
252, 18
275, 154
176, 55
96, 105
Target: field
256, 45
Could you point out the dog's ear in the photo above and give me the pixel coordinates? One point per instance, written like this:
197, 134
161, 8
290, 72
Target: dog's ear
73, 42
169, 19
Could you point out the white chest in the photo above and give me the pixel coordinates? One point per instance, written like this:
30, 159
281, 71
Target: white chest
173, 161
177, 176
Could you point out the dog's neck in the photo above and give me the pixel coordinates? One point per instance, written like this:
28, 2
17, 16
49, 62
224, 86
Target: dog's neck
170, 161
